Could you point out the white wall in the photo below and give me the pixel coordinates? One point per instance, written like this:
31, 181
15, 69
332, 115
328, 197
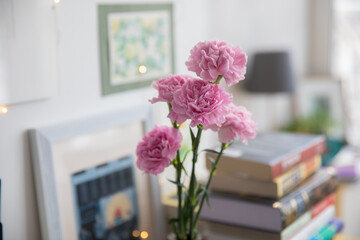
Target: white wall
262, 25
79, 96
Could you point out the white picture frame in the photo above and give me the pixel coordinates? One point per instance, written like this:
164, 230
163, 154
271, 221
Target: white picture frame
59, 151
28, 51
315, 88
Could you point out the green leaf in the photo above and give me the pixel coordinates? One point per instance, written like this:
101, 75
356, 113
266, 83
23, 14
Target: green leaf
228, 145
173, 220
212, 160
183, 168
211, 151
195, 203
173, 228
201, 190
185, 155
177, 183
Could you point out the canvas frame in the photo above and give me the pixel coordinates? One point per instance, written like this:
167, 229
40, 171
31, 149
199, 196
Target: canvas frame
42, 142
103, 12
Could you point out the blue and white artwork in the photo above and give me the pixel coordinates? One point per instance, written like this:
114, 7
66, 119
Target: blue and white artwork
105, 201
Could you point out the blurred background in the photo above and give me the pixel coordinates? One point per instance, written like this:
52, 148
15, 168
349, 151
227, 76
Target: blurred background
50, 73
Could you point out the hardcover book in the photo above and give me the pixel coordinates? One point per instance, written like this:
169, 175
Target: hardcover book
316, 224
271, 189
1, 227
267, 214
269, 155
216, 230
329, 231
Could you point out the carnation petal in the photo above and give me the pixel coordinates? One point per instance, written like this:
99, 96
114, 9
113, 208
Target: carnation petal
212, 58
157, 149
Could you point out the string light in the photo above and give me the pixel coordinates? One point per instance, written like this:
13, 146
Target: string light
142, 69
3, 109
144, 235
136, 233
55, 3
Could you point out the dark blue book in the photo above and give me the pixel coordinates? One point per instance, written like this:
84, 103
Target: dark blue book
1, 228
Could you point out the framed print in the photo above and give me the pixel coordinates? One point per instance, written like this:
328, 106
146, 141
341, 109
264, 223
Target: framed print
87, 185
136, 45
29, 44
323, 96
105, 201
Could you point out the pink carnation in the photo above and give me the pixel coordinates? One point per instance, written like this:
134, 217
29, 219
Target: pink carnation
210, 59
167, 86
201, 102
238, 123
157, 149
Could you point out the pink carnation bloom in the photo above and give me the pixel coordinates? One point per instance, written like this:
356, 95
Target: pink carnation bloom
167, 86
238, 123
210, 59
157, 149
201, 102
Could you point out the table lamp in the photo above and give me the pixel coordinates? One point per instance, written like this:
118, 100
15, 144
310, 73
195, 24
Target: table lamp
272, 73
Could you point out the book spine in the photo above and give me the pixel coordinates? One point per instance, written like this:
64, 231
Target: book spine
316, 224
293, 160
295, 226
318, 208
296, 175
298, 204
329, 231
306, 217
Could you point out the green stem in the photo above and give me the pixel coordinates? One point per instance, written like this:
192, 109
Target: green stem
181, 229
192, 187
179, 193
213, 168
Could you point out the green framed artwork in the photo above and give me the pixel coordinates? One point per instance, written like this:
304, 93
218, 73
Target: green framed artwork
136, 45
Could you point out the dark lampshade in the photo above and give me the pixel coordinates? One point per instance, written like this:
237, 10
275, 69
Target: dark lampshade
271, 73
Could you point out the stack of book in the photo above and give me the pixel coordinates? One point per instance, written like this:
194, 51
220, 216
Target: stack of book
274, 186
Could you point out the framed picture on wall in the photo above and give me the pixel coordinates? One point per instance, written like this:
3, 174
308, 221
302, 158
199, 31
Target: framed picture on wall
35, 54
136, 45
87, 185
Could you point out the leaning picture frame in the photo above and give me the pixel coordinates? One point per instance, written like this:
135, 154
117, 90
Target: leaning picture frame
136, 45
84, 172
317, 93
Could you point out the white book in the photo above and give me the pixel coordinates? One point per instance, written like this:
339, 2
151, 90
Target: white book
316, 224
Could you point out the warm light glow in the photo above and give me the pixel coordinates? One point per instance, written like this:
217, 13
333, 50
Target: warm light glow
57, 1
276, 205
142, 69
136, 233
144, 235
3, 109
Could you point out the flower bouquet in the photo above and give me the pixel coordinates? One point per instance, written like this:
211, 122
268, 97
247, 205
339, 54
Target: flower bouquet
207, 105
